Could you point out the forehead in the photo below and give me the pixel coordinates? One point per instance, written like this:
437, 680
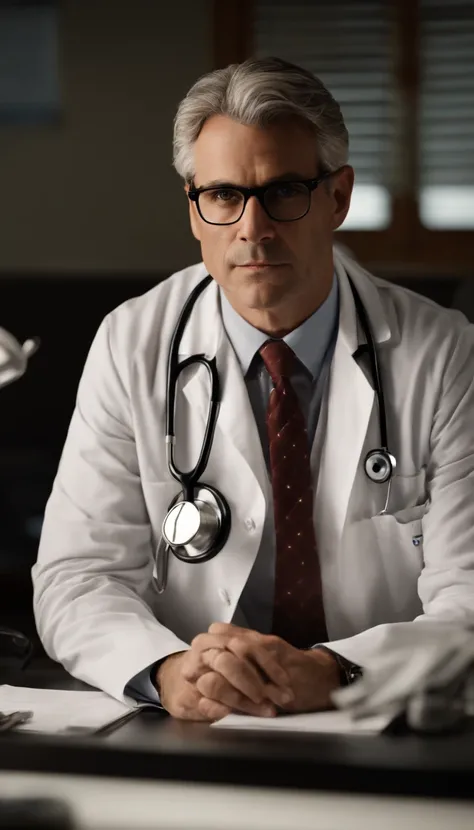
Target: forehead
228, 151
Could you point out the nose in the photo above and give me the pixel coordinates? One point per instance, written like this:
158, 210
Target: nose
255, 224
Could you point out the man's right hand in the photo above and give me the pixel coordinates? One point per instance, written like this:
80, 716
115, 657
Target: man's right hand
208, 682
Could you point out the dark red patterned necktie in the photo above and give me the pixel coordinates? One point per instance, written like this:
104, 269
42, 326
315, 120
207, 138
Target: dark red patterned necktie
298, 615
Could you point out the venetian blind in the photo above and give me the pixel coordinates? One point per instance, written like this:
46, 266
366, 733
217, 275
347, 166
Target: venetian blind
350, 46
446, 127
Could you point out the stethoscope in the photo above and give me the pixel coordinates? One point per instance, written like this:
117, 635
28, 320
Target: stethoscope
198, 521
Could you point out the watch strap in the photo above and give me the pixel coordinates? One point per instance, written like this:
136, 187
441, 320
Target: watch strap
348, 672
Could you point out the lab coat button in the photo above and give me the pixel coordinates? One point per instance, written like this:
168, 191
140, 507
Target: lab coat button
249, 524
224, 596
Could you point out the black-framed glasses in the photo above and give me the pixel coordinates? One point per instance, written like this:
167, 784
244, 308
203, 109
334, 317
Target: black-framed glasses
282, 201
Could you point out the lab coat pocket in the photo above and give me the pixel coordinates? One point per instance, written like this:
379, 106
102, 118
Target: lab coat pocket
402, 531
408, 492
377, 577
408, 514
399, 542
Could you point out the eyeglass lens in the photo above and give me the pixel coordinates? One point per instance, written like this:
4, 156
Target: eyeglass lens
283, 202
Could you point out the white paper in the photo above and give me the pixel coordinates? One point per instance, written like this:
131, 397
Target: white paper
57, 710
332, 721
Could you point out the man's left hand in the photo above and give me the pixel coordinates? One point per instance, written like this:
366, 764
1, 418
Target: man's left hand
313, 674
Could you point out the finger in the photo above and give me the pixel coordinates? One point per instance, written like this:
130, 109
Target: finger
260, 654
227, 628
204, 641
210, 710
184, 703
189, 706
279, 695
243, 674
198, 708
239, 673
245, 677
215, 687
264, 657
194, 665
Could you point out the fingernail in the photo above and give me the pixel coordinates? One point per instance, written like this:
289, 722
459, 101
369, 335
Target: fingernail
268, 711
287, 696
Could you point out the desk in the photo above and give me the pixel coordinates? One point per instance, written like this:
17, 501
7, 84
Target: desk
155, 746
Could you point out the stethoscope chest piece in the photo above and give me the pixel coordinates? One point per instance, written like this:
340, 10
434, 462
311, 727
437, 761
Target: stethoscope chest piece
192, 527
380, 465
193, 531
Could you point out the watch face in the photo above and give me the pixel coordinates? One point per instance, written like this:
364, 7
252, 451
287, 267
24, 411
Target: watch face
354, 673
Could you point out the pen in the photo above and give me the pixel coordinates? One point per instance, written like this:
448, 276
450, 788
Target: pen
12, 719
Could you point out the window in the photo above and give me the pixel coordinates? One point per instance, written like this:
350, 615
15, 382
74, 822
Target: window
447, 114
349, 46
403, 72
29, 85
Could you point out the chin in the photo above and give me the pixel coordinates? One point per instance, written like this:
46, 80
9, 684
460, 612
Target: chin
261, 288
263, 295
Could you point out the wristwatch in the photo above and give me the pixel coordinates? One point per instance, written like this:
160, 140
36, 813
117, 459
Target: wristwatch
348, 672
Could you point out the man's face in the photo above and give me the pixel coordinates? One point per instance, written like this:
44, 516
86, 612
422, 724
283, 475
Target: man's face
297, 255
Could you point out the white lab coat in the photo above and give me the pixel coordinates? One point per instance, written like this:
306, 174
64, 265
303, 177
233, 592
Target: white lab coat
95, 606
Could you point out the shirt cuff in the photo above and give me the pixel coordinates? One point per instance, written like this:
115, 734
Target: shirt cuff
141, 689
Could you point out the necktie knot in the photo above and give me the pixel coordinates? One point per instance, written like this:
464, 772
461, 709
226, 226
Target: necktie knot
279, 359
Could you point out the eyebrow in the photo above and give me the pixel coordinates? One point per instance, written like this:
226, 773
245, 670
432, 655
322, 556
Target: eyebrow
284, 177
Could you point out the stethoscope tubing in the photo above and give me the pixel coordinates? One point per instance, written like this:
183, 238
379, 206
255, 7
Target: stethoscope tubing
190, 480
374, 366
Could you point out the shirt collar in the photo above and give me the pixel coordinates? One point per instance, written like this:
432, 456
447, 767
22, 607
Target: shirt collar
309, 341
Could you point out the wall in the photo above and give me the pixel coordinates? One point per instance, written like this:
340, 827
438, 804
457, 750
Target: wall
97, 192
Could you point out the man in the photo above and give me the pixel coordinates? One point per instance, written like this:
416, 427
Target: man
332, 550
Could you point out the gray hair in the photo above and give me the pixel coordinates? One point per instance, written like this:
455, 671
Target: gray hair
255, 93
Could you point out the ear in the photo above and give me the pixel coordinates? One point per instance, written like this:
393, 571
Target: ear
341, 191
193, 216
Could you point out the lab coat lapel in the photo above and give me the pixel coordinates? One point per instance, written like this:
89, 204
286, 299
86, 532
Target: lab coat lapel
350, 402
205, 334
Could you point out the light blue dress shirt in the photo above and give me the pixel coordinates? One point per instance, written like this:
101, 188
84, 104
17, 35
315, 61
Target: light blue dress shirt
313, 343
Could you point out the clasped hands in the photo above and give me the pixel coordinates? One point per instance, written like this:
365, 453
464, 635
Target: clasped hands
233, 669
